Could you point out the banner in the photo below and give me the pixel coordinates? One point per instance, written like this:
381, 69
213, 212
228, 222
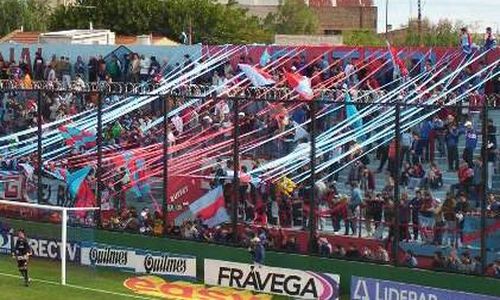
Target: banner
287, 282
138, 261
41, 247
11, 186
54, 192
50, 248
374, 289
5, 243
472, 232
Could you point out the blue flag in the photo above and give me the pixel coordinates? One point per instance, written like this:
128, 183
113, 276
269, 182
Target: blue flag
265, 58
75, 180
352, 112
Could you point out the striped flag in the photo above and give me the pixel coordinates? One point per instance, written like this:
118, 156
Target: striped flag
210, 208
300, 84
397, 63
78, 138
257, 76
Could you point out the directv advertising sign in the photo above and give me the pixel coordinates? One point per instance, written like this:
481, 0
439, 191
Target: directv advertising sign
297, 284
5, 244
139, 261
374, 289
42, 248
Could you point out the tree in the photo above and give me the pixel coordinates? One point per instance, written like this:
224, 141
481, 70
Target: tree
205, 20
441, 34
293, 17
31, 14
362, 38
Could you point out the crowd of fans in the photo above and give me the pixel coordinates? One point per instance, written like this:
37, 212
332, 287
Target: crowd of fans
354, 202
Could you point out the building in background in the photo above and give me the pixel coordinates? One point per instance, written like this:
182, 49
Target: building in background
335, 16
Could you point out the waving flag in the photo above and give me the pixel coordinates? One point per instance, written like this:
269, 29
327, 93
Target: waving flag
397, 63
85, 198
210, 208
352, 113
257, 76
77, 138
300, 84
135, 166
75, 180
265, 58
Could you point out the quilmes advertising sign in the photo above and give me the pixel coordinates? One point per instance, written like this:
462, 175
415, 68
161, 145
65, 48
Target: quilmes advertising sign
287, 282
374, 289
138, 261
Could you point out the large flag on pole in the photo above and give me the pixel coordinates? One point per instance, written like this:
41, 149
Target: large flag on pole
210, 208
257, 76
398, 64
300, 84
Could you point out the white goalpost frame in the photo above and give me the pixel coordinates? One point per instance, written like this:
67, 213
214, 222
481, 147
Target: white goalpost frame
64, 232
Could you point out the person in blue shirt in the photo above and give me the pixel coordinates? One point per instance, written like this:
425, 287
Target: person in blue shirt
452, 136
355, 201
425, 131
470, 143
257, 251
490, 41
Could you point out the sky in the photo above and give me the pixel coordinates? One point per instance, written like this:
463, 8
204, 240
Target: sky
479, 13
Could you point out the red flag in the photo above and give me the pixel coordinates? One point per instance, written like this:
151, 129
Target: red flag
300, 84
398, 62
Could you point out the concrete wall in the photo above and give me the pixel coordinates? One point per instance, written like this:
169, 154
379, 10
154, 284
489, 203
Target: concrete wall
298, 40
347, 18
174, 54
330, 18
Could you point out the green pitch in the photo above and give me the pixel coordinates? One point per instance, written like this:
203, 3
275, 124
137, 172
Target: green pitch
82, 283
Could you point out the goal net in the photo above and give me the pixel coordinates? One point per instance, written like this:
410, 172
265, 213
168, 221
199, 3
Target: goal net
48, 232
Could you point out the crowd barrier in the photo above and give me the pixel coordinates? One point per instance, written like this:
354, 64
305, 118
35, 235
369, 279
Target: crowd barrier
348, 272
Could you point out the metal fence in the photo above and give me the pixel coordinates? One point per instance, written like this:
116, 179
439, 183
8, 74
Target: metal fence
310, 216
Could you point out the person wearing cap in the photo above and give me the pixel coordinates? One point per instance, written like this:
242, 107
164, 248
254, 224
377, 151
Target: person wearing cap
257, 251
470, 143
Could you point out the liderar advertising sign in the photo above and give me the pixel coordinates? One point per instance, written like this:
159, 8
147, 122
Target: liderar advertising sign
375, 289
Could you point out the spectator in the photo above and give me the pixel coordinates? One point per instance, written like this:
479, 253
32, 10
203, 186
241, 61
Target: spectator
452, 146
324, 246
439, 261
381, 254
434, 177
449, 214
490, 41
353, 208
491, 152
470, 143
410, 259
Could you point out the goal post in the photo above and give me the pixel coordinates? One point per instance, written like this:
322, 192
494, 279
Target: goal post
64, 225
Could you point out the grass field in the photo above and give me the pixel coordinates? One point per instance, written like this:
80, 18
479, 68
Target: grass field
82, 283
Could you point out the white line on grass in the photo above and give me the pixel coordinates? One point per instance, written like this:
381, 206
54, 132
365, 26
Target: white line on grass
80, 287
